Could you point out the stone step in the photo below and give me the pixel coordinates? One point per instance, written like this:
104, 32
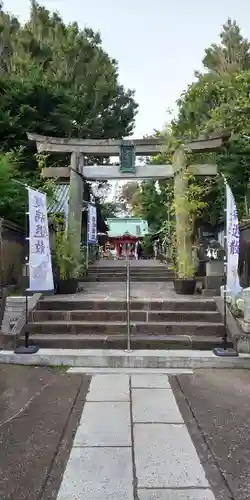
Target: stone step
73, 303
114, 315
144, 278
109, 328
132, 268
120, 342
132, 273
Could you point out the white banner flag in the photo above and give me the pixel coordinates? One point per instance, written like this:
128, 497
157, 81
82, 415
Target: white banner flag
233, 244
40, 267
92, 224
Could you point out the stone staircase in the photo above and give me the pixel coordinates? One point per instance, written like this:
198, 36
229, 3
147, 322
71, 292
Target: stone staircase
76, 322
138, 272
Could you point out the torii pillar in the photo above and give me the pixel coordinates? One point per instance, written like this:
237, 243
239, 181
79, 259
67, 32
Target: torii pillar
76, 187
180, 168
183, 236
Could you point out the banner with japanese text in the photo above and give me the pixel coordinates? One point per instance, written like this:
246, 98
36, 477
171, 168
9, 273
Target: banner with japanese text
233, 243
40, 267
92, 224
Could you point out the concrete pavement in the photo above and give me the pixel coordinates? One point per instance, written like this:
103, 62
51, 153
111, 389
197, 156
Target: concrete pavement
132, 443
139, 436
39, 412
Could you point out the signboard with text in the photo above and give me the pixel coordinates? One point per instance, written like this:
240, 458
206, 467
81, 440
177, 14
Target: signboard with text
40, 267
233, 243
92, 224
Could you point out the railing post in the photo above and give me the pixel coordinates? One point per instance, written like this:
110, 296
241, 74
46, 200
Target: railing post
128, 307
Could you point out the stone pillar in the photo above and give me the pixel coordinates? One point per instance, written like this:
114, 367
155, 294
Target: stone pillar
183, 232
75, 198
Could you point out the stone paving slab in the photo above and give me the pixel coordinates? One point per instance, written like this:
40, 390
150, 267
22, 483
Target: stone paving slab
98, 474
166, 457
155, 405
170, 494
152, 381
104, 424
109, 388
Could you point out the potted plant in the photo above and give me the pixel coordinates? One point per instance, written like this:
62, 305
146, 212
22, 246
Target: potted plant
184, 281
68, 263
186, 207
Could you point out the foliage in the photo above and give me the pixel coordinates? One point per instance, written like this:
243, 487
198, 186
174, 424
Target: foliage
13, 196
109, 209
57, 80
75, 68
217, 102
192, 203
13, 192
68, 260
233, 53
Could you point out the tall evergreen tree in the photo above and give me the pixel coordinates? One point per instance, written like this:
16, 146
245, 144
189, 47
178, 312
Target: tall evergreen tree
232, 54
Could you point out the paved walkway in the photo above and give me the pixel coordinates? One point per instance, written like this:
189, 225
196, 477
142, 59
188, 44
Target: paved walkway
138, 291
132, 444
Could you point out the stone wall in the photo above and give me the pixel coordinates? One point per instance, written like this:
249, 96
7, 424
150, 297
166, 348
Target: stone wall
12, 253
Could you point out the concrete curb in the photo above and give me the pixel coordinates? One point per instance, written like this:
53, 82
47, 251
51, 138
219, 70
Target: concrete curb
120, 359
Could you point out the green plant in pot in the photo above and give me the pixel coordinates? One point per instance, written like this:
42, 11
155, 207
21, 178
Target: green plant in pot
184, 281
68, 262
187, 206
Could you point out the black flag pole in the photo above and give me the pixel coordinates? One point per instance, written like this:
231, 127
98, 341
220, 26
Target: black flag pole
224, 350
26, 348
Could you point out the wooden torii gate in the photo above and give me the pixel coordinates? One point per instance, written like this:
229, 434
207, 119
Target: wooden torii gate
126, 150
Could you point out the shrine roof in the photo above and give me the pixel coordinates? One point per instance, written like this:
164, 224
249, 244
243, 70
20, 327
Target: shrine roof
61, 196
127, 226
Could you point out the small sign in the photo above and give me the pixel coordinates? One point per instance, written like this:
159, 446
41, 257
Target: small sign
127, 159
92, 224
233, 243
40, 267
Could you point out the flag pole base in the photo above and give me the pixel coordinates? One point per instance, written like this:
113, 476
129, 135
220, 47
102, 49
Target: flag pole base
31, 349
225, 352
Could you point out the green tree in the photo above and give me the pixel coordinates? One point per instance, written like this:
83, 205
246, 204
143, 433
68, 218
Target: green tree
216, 104
232, 54
72, 62
57, 80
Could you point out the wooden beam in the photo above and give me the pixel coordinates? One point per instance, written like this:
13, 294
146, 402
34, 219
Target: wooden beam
204, 145
95, 142
111, 147
88, 150
105, 172
205, 169
96, 147
56, 172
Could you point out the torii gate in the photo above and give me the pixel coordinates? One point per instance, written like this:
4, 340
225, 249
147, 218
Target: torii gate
127, 150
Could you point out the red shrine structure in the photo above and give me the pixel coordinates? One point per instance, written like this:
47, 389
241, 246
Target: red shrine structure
123, 234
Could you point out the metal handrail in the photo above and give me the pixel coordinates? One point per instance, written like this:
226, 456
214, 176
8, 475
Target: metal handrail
128, 307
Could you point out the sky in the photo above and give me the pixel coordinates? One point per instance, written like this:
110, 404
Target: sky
158, 44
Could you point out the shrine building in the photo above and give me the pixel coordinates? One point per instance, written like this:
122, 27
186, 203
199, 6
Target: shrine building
124, 232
